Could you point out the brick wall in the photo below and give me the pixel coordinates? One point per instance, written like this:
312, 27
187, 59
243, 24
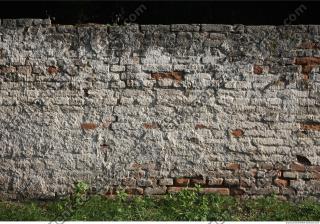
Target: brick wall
158, 108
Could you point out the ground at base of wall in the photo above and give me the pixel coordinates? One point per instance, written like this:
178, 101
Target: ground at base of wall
185, 205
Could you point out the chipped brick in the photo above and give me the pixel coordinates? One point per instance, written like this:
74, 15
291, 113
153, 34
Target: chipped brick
307, 63
150, 125
52, 70
88, 126
237, 133
281, 182
309, 45
175, 75
233, 166
182, 181
173, 190
200, 126
257, 69
313, 126
297, 167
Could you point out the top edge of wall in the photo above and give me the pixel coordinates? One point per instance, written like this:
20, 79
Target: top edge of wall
28, 22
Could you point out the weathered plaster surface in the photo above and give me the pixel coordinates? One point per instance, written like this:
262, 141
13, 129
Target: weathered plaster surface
153, 108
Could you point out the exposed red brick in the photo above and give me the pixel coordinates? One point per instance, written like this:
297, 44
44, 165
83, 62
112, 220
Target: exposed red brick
175, 75
150, 125
200, 126
233, 166
182, 181
309, 45
307, 63
237, 133
297, 167
313, 126
257, 69
178, 189
222, 191
88, 126
52, 70
110, 191
281, 182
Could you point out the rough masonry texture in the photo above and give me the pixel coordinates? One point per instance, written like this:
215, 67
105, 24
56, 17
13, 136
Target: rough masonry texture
154, 109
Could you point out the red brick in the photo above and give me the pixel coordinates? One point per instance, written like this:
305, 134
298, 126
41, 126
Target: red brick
200, 126
182, 181
281, 182
150, 125
309, 45
233, 166
237, 133
307, 63
178, 189
88, 126
110, 191
222, 191
310, 126
52, 70
175, 75
297, 167
257, 69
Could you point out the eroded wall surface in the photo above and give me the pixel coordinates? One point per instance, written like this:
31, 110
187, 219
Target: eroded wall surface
157, 108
